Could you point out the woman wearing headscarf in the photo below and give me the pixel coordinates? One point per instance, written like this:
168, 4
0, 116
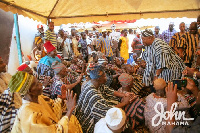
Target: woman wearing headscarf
38, 113
44, 65
123, 44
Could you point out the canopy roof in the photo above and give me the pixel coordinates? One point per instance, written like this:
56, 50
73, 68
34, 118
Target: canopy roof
71, 11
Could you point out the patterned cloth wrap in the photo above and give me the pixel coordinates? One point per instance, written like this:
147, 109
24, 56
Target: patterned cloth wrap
125, 79
95, 72
21, 82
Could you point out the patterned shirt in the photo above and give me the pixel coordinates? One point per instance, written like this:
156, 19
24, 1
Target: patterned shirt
160, 55
8, 111
189, 43
44, 66
167, 35
105, 45
83, 45
175, 40
138, 46
159, 36
51, 36
75, 46
55, 88
140, 71
91, 106
135, 110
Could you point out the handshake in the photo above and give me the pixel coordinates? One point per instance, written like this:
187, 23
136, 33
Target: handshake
128, 98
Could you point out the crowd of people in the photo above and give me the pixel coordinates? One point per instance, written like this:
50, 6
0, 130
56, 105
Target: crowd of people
90, 82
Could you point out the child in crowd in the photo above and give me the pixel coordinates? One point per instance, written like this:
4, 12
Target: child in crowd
142, 65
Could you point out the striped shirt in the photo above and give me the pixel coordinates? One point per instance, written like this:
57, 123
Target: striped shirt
160, 55
137, 46
91, 106
137, 85
83, 45
167, 35
189, 43
134, 111
55, 88
105, 46
51, 36
7, 111
175, 40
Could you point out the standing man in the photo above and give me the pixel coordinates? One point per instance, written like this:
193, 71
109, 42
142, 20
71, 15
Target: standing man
95, 40
50, 35
75, 44
131, 36
167, 34
161, 60
188, 45
157, 34
82, 45
61, 42
176, 38
137, 45
105, 46
89, 43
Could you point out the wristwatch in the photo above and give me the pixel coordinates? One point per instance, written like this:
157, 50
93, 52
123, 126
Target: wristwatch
195, 75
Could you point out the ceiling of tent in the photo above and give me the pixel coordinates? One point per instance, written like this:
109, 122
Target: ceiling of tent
71, 11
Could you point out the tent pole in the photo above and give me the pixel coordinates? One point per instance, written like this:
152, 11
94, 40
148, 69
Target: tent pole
17, 38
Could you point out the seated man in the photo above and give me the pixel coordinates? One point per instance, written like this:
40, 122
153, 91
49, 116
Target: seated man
10, 102
92, 106
114, 122
137, 83
38, 113
6, 99
59, 80
135, 110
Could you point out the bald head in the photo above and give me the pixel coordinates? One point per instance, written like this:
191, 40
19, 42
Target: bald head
182, 27
159, 84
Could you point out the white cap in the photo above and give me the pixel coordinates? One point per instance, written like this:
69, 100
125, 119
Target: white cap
171, 23
33, 64
115, 118
101, 61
